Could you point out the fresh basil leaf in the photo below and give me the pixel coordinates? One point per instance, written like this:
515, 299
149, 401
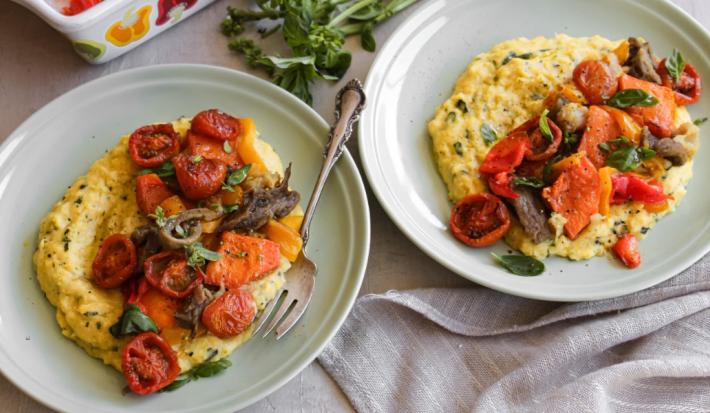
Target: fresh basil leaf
624, 159
211, 368
132, 321
530, 181
180, 381
544, 126
458, 148
163, 171
632, 97
228, 209
604, 147
367, 40
700, 121
236, 178
520, 264
621, 141
489, 134
227, 147
675, 65
198, 255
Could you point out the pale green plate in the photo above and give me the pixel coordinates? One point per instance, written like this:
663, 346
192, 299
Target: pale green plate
421, 62
59, 142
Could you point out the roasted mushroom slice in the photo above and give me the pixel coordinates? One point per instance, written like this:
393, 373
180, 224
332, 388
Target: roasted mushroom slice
185, 228
641, 62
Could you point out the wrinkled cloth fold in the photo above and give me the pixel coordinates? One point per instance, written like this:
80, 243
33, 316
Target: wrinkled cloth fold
475, 349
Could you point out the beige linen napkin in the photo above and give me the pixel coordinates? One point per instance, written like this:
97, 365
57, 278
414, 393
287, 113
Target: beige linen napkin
450, 350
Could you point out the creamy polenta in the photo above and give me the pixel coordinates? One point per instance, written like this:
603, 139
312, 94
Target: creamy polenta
506, 86
101, 203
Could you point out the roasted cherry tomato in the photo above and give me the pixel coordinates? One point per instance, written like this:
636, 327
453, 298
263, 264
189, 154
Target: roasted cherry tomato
199, 177
168, 272
229, 314
152, 145
540, 147
479, 220
626, 249
149, 363
213, 149
629, 186
500, 184
150, 192
115, 261
596, 81
216, 124
505, 155
687, 89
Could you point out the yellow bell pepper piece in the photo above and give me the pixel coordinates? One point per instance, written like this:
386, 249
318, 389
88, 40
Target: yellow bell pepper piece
293, 221
565, 163
132, 27
627, 124
660, 207
605, 174
622, 51
172, 206
247, 150
289, 240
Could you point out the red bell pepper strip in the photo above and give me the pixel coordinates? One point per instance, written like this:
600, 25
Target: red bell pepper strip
626, 249
687, 89
505, 155
628, 186
500, 184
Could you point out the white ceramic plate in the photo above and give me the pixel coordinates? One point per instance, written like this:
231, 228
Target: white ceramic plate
58, 144
415, 72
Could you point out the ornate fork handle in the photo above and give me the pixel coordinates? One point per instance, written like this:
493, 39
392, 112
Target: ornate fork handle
348, 105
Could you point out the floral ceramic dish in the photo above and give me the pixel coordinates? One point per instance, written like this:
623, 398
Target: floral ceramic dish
113, 27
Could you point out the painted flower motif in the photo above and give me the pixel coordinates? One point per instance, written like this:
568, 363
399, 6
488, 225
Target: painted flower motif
132, 27
171, 10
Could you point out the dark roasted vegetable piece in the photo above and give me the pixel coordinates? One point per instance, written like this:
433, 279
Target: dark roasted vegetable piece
189, 314
666, 148
261, 204
146, 238
531, 214
641, 62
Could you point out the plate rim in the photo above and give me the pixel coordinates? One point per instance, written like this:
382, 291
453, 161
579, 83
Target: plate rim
26, 383
368, 159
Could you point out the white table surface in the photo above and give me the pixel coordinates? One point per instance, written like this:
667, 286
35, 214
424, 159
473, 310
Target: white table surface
37, 65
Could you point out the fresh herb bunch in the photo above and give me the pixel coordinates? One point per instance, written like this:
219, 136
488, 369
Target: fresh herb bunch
315, 30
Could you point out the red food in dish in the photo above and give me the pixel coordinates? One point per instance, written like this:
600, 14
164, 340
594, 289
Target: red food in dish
596, 81
150, 192
199, 177
479, 220
626, 249
229, 314
150, 146
115, 261
77, 6
149, 363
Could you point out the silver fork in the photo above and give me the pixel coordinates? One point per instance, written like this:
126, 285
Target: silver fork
300, 279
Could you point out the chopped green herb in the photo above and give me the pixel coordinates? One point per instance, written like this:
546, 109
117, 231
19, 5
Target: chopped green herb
604, 147
520, 264
180, 231
458, 148
700, 121
451, 117
530, 181
489, 134
632, 97
198, 255
512, 55
196, 159
227, 147
206, 369
675, 65
159, 216
163, 171
236, 178
133, 320
544, 126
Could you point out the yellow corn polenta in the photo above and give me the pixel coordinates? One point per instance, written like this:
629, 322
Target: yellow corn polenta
99, 204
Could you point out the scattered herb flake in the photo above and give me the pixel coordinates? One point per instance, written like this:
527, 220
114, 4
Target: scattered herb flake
489, 134
458, 148
700, 121
227, 147
520, 264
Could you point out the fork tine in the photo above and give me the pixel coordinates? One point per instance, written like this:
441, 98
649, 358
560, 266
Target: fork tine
293, 317
280, 313
267, 311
